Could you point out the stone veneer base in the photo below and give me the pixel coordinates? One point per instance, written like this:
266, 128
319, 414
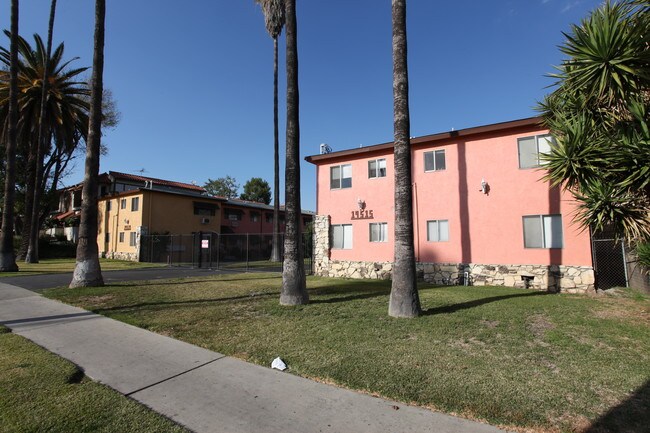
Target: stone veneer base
132, 257
568, 279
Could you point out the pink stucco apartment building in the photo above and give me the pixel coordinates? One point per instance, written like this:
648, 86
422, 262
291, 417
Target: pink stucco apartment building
482, 213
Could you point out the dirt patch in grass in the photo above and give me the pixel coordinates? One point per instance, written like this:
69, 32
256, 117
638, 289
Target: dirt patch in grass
96, 301
490, 323
538, 324
623, 312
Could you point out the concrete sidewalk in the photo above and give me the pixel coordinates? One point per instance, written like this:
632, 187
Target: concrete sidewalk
204, 390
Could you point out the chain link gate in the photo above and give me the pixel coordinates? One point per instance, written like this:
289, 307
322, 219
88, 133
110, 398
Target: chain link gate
610, 267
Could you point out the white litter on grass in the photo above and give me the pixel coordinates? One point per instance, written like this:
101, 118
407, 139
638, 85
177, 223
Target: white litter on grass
278, 364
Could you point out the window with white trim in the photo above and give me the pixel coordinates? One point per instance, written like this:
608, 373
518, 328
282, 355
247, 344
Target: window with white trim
376, 168
378, 232
121, 236
342, 236
438, 231
341, 176
135, 204
123, 203
531, 148
132, 238
543, 231
434, 160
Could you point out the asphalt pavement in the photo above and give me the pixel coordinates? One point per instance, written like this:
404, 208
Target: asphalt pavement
38, 283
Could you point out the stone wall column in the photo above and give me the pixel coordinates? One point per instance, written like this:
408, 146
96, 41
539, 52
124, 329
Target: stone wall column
321, 245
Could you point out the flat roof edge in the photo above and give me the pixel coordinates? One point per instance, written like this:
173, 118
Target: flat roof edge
502, 126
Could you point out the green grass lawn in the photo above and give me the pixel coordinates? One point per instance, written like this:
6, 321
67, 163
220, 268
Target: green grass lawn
56, 266
41, 392
512, 357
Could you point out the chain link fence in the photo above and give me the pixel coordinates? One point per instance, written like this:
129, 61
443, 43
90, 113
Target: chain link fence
245, 252
610, 266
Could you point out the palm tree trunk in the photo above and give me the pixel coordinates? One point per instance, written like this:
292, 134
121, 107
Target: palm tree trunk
275, 250
29, 200
32, 250
404, 299
294, 289
87, 272
7, 256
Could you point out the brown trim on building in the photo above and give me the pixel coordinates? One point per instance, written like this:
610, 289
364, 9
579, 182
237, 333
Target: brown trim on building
431, 139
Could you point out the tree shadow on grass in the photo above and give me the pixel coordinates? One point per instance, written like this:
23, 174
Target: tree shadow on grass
189, 303
445, 309
632, 415
161, 282
349, 291
348, 298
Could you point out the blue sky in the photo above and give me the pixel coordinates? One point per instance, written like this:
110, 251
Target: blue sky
193, 79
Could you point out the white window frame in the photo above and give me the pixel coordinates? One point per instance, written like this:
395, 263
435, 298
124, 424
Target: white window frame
435, 164
123, 203
346, 236
133, 239
440, 235
543, 144
547, 226
340, 178
380, 164
121, 237
135, 204
382, 234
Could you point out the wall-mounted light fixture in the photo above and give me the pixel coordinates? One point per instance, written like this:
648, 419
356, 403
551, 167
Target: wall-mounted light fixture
485, 187
361, 203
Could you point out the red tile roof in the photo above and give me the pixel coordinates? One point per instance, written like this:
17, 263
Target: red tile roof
136, 178
65, 215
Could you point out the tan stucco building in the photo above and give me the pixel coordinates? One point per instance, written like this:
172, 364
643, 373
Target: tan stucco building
126, 216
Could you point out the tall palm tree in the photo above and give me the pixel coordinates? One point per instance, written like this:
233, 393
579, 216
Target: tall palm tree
88, 272
7, 256
274, 20
65, 116
294, 288
33, 214
404, 299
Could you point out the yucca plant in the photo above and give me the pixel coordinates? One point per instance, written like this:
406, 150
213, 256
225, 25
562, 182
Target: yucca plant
599, 116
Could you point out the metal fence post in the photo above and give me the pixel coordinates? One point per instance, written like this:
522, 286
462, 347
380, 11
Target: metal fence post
247, 249
627, 281
218, 246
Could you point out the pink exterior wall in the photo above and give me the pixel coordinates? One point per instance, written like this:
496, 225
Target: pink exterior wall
246, 225
482, 228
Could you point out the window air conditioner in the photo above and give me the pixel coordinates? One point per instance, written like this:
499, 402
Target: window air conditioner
205, 220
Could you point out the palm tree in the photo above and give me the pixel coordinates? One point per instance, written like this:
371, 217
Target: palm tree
32, 213
404, 299
65, 117
294, 288
88, 272
7, 256
274, 20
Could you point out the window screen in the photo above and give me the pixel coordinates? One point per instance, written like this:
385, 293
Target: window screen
342, 236
434, 160
543, 231
438, 231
